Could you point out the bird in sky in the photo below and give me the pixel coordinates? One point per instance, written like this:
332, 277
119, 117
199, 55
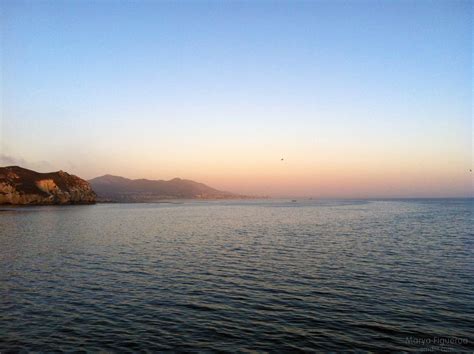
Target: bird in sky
281, 159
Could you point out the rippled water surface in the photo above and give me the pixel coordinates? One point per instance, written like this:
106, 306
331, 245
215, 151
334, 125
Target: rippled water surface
253, 275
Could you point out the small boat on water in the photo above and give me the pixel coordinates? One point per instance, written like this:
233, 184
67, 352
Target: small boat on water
294, 201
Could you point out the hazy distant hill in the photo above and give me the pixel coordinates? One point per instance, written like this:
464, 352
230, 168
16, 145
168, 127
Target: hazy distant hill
120, 189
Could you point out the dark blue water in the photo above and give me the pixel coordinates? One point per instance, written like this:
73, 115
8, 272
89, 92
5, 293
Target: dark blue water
229, 276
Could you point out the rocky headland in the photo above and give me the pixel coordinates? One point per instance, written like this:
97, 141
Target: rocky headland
20, 186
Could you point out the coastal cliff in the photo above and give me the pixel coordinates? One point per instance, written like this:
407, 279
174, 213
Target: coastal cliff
19, 186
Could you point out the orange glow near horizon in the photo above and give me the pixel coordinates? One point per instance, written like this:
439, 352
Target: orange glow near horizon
323, 169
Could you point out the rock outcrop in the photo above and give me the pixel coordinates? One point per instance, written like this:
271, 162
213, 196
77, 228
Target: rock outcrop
20, 186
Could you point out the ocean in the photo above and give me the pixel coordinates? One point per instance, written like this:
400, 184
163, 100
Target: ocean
259, 275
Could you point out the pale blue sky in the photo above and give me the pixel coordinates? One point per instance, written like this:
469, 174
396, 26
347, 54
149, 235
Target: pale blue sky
211, 90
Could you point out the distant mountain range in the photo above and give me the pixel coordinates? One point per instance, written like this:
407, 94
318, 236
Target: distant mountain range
119, 189
20, 186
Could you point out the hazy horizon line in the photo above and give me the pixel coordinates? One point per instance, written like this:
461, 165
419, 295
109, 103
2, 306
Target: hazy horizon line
272, 195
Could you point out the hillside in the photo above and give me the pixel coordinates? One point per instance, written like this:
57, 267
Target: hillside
20, 186
120, 189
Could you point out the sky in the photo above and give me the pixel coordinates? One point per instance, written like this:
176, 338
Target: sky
359, 98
